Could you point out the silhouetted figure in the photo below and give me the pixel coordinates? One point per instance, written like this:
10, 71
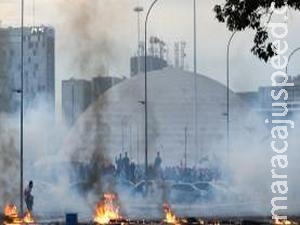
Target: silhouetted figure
126, 165
132, 172
158, 161
28, 196
119, 164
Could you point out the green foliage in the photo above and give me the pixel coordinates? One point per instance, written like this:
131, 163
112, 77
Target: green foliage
252, 14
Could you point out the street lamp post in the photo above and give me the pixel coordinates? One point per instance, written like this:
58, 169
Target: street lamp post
146, 100
195, 79
228, 91
21, 110
286, 69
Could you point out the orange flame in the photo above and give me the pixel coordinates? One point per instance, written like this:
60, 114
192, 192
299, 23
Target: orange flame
11, 213
107, 209
283, 222
10, 210
170, 217
28, 218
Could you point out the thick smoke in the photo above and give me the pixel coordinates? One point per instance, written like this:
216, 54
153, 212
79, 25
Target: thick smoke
9, 161
5, 92
90, 29
90, 42
88, 155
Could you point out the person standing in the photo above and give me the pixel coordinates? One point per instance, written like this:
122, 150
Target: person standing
28, 196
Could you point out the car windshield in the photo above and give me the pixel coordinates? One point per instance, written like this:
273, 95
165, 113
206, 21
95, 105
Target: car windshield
183, 187
202, 186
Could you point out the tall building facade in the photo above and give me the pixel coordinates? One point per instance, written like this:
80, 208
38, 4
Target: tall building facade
78, 94
39, 68
76, 97
261, 100
101, 84
156, 57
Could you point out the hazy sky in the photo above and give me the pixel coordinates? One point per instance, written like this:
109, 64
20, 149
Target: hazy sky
170, 20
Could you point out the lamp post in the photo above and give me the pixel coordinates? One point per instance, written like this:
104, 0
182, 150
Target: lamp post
21, 110
228, 91
286, 69
146, 100
195, 79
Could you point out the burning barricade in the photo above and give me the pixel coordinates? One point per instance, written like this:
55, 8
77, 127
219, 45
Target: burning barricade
107, 210
11, 216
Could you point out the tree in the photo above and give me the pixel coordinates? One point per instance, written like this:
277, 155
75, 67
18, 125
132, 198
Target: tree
254, 14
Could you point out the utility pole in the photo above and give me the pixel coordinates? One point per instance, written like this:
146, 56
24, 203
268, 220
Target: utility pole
137, 145
195, 79
22, 107
146, 98
185, 147
228, 93
130, 137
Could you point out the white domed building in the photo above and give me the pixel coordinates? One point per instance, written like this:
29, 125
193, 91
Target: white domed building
114, 124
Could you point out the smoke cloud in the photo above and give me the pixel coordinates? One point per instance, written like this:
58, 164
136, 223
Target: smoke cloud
90, 31
9, 161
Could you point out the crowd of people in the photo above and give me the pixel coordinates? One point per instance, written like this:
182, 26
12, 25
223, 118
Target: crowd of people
125, 168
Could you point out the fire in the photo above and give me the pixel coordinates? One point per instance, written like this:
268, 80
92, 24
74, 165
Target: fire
12, 215
107, 209
283, 222
11, 211
28, 218
170, 217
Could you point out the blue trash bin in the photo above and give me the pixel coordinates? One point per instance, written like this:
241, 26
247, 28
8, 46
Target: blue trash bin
71, 219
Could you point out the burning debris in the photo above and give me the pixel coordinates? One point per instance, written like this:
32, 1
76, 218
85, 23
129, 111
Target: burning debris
170, 217
283, 222
107, 209
12, 216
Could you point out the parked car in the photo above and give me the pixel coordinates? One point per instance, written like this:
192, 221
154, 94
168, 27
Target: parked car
184, 193
140, 188
206, 189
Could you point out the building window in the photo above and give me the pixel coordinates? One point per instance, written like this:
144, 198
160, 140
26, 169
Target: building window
34, 52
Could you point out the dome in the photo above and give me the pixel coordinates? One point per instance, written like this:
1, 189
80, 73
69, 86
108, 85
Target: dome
114, 124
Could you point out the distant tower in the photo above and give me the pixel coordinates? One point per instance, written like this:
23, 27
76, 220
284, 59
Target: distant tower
176, 55
182, 54
138, 10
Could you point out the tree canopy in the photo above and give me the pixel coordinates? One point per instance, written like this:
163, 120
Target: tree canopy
253, 14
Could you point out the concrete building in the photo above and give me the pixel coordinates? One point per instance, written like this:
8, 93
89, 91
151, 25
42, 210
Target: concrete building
78, 94
171, 109
156, 57
39, 68
137, 64
76, 97
101, 84
261, 100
